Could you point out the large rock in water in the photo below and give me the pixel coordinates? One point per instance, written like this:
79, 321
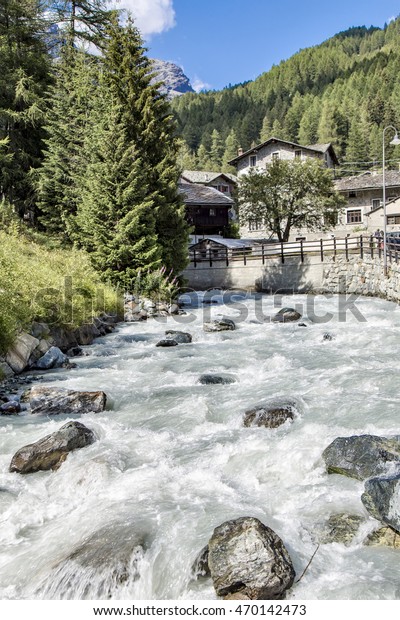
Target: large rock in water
97, 567
271, 414
381, 498
51, 451
179, 337
216, 380
246, 556
53, 358
339, 528
54, 401
18, 356
384, 537
286, 315
219, 325
362, 456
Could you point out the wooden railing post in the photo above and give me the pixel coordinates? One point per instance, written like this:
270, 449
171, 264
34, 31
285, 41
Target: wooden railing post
371, 245
322, 250
282, 254
301, 250
262, 253
226, 257
334, 248
194, 258
210, 257
361, 247
346, 245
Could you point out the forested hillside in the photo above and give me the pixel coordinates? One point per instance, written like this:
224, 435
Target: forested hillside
344, 91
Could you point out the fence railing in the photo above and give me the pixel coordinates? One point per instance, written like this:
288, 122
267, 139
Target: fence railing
324, 248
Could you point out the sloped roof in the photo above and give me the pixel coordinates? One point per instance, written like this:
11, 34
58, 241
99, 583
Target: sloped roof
316, 148
227, 243
194, 194
392, 201
201, 176
367, 180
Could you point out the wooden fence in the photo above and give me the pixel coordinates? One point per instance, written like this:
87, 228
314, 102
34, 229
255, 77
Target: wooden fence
324, 248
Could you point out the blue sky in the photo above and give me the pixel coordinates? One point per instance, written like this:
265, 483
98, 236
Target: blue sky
218, 42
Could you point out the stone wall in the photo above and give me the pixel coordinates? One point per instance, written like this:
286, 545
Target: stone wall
363, 276
357, 275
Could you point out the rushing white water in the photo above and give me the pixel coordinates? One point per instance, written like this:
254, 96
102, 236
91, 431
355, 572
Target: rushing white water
126, 517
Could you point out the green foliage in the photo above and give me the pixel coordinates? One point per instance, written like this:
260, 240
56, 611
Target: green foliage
24, 78
289, 194
158, 285
55, 286
316, 96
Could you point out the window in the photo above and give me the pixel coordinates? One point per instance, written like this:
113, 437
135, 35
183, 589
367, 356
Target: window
354, 216
297, 154
223, 188
352, 194
393, 219
212, 213
255, 225
376, 203
275, 155
253, 161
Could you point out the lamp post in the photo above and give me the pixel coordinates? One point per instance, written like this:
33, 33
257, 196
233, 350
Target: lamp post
395, 141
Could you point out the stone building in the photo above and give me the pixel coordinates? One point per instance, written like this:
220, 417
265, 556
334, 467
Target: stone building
274, 148
208, 211
222, 181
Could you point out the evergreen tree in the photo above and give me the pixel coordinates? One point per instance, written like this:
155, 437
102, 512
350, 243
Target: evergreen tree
186, 159
148, 205
231, 151
357, 151
116, 218
82, 20
24, 78
68, 122
217, 150
266, 129
203, 158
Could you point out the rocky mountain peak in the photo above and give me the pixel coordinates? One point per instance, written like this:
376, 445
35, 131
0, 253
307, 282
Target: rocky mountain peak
176, 83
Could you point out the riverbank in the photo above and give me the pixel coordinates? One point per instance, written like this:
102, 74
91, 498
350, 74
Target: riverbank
173, 459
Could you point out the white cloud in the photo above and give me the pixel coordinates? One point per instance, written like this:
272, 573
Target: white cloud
151, 16
199, 85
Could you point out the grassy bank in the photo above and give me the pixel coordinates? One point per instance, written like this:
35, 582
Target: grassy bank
39, 282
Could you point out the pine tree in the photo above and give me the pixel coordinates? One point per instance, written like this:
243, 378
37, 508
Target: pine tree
82, 20
24, 78
148, 145
186, 158
357, 151
68, 121
266, 130
217, 150
203, 158
116, 217
231, 151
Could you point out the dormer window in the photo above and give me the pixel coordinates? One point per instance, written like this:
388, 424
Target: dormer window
253, 161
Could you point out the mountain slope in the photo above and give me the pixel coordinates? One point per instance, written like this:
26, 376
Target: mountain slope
175, 82
345, 90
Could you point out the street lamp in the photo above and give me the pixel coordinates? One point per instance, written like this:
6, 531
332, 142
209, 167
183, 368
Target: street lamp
395, 141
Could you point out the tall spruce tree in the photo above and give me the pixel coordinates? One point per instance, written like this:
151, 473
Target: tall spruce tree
24, 79
80, 20
68, 122
139, 166
116, 218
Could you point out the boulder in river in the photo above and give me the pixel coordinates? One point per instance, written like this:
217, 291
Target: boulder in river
54, 401
383, 537
179, 337
54, 358
362, 456
51, 451
99, 566
167, 342
12, 407
219, 325
216, 380
339, 528
247, 557
271, 414
18, 356
381, 498
286, 315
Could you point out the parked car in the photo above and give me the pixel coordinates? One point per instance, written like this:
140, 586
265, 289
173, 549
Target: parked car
393, 237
